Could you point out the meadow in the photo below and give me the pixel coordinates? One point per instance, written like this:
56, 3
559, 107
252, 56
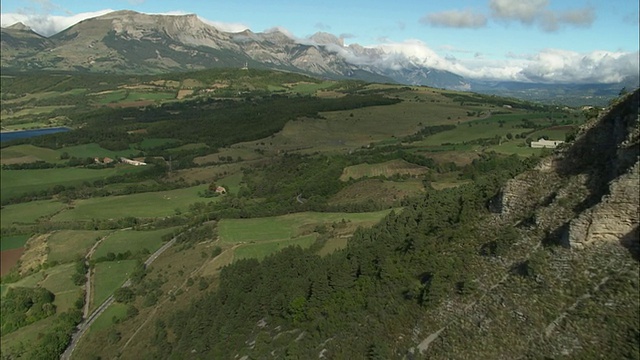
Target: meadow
94, 150
131, 240
56, 279
105, 320
19, 182
28, 213
286, 226
12, 242
261, 250
70, 245
143, 205
109, 276
26, 153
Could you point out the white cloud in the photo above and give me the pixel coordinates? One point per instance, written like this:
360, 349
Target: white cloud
45, 24
48, 25
523, 11
549, 65
455, 19
550, 21
225, 26
553, 65
536, 12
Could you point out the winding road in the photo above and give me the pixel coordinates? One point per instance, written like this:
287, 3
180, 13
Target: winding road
86, 323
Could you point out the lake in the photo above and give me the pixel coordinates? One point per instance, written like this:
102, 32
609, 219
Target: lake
12, 135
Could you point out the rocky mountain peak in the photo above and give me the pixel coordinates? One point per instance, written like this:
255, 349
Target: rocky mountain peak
20, 27
323, 38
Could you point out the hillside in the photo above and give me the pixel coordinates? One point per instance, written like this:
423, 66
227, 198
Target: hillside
299, 216
549, 269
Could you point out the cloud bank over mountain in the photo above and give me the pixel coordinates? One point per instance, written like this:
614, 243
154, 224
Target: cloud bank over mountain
546, 65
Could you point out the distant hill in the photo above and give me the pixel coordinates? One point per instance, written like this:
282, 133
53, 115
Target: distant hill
134, 43
131, 42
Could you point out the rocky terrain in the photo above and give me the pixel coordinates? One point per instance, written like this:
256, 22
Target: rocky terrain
131, 42
568, 287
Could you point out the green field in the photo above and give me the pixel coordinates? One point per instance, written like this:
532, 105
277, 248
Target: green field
261, 250
35, 110
121, 96
143, 205
13, 242
332, 245
109, 276
69, 245
286, 227
28, 213
18, 182
94, 150
134, 241
106, 318
58, 281
310, 88
28, 153
150, 143
26, 335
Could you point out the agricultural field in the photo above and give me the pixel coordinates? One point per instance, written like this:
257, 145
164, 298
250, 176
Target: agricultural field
56, 279
13, 242
131, 240
27, 153
108, 276
263, 249
287, 226
260, 237
143, 205
69, 245
386, 169
20, 182
94, 150
28, 213
104, 321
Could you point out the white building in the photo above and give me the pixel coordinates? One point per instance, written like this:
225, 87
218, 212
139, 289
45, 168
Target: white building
542, 143
132, 162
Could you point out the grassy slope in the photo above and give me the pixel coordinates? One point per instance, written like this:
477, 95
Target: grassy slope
28, 212
153, 204
109, 276
131, 240
17, 182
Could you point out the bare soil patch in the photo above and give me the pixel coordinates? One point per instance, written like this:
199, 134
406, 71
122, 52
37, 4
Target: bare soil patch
8, 259
182, 93
35, 253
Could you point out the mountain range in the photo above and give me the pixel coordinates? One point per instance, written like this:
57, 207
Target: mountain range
131, 42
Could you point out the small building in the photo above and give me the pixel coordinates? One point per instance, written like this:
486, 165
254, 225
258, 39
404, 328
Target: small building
221, 190
107, 160
542, 143
132, 162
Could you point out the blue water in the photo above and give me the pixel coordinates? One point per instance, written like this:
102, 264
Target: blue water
12, 135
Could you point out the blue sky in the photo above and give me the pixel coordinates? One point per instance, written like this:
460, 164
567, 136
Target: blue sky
480, 38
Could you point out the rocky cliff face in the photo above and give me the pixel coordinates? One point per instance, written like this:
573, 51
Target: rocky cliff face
127, 41
589, 190
568, 285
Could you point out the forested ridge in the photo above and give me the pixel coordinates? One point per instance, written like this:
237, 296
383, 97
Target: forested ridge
353, 303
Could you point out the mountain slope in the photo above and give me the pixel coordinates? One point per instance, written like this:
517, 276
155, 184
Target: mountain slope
551, 272
131, 42
19, 44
